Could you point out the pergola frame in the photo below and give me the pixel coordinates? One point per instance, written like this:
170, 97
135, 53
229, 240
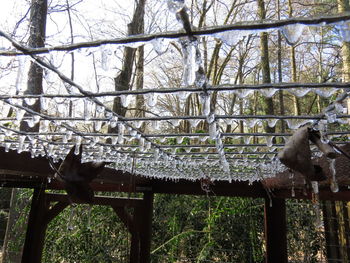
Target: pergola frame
46, 206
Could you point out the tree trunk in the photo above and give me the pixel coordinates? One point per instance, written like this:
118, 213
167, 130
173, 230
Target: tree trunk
296, 103
37, 35
279, 69
344, 6
123, 80
139, 83
265, 65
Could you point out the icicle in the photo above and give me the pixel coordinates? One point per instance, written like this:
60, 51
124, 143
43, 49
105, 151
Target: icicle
299, 92
21, 140
20, 86
189, 60
268, 92
125, 100
89, 217
206, 104
293, 33
175, 5
316, 203
7, 146
211, 118
269, 141
77, 145
344, 30
160, 45
272, 122
212, 130
294, 124
334, 184
44, 103
70, 225
231, 37
19, 114
113, 122
331, 116
151, 99
98, 125
194, 122
30, 101
87, 110
121, 128
293, 191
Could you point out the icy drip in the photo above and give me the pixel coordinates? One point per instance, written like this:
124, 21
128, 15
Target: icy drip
334, 184
344, 30
77, 145
87, 110
70, 225
214, 133
191, 60
20, 85
89, 216
291, 176
175, 5
160, 45
316, 204
293, 33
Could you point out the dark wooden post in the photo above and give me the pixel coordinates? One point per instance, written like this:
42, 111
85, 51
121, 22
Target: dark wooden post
146, 228
40, 216
139, 225
276, 231
135, 247
35, 235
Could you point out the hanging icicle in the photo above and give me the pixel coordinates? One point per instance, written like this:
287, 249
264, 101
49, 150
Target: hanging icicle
316, 204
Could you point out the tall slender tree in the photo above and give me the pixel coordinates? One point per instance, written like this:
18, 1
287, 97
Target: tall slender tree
265, 65
37, 35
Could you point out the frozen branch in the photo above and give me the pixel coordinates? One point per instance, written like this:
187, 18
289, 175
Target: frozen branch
246, 25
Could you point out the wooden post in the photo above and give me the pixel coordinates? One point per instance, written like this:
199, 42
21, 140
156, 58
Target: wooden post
35, 235
146, 228
275, 231
40, 216
140, 227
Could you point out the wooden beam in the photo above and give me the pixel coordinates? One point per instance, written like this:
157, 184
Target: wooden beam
99, 200
54, 211
325, 194
126, 218
217, 188
276, 231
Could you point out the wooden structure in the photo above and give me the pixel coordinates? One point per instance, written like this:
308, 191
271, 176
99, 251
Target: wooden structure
35, 171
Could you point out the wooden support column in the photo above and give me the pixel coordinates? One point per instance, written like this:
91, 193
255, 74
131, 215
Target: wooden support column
276, 231
40, 216
139, 225
35, 235
135, 238
146, 228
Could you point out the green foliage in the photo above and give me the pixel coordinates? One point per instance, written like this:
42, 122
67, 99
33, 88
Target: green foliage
304, 238
90, 235
207, 228
185, 229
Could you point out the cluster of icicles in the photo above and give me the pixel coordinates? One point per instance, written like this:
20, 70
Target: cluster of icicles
151, 160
